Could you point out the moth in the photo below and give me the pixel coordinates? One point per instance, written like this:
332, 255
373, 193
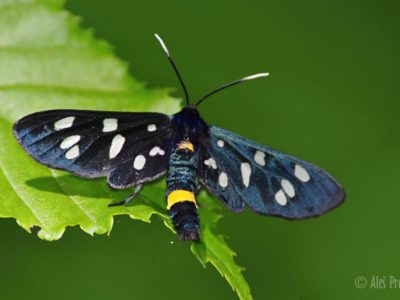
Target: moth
132, 148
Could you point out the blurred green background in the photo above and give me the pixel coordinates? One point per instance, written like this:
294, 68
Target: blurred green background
332, 98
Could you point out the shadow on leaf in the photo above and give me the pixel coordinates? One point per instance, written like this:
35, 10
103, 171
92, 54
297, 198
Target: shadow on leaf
93, 188
75, 186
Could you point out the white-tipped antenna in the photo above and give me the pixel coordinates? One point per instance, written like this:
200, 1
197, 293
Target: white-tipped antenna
162, 44
255, 76
251, 77
164, 47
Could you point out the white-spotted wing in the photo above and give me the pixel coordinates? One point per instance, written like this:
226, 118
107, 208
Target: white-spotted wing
239, 171
129, 148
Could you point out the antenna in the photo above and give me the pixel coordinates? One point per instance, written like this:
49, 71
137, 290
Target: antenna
255, 76
164, 47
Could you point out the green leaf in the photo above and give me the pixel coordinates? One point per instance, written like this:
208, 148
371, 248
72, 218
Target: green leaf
214, 250
48, 62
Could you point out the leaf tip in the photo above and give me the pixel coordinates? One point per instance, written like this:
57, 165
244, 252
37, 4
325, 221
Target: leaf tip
50, 235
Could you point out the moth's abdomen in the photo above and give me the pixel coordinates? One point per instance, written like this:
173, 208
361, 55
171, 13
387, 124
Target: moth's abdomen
185, 219
181, 201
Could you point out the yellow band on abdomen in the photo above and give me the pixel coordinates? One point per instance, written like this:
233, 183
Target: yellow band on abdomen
180, 196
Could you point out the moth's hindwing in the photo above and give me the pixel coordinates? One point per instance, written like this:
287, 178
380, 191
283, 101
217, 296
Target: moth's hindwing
129, 148
240, 171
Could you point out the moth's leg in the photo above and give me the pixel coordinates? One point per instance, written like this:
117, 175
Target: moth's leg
197, 189
125, 201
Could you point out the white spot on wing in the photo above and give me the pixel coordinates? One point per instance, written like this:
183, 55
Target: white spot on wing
259, 158
301, 173
223, 180
151, 127
116, 145
70, 141
288, 188
110, 125
72, 153
211, 163
156, 150
64, 123
139, 162
221, 143
281, 198
246, 172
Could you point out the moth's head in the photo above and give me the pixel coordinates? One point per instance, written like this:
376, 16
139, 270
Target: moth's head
190, 109
189, 123
189, 112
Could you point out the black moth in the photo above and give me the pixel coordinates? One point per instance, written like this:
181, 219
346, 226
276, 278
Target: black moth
133, 148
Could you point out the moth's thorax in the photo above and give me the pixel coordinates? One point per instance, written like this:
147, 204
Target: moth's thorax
189, 126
